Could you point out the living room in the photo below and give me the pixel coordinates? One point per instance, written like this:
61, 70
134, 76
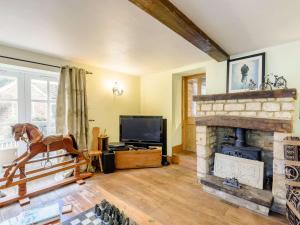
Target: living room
225, 137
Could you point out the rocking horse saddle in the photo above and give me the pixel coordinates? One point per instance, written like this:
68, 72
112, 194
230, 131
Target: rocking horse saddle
51, 139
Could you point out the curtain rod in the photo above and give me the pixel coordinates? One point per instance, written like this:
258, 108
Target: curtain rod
28, 61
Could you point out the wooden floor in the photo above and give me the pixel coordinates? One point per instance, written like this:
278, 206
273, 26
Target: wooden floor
168, 195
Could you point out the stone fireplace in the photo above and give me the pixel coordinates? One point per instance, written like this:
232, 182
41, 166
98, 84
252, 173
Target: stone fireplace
266, 117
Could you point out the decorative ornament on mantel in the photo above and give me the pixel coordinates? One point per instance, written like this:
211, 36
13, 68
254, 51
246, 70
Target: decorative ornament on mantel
232, 182
274, 81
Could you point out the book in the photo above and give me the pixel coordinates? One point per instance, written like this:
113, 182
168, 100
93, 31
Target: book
40, 216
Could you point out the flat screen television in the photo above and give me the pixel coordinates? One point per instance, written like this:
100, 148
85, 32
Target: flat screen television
141, 129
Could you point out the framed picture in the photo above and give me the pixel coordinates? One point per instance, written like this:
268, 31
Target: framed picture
245, 73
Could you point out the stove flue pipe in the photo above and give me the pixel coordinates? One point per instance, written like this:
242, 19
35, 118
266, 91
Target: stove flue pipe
240, 134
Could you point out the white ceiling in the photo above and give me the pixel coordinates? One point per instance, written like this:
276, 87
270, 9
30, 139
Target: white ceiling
245, 25
114, 34
117, 35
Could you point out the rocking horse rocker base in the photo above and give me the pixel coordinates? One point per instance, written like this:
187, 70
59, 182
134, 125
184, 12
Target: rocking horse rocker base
37, 145
28, 194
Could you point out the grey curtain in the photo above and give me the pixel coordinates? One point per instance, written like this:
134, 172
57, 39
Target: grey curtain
71, 107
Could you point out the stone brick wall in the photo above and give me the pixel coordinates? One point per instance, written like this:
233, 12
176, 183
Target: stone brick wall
206, 140
271, 108
279, 188
271, 142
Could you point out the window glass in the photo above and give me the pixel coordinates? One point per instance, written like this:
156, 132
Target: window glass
43, 104
8, 109
195, 86
203, 86
8, 112
53, 90
39, 90
39, 111
192, 90
8, 87
26, 97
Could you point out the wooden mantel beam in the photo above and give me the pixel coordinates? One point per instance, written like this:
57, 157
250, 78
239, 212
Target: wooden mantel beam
279, 93
273, 125
172, 17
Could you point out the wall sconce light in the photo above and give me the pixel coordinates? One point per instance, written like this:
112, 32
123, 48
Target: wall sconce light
117, 90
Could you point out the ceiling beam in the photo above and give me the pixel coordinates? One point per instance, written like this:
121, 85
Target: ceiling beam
169, 15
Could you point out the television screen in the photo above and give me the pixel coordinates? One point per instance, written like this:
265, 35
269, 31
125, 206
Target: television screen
141, 128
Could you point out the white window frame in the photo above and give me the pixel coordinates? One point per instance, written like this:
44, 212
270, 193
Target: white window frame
24, 76
27, 85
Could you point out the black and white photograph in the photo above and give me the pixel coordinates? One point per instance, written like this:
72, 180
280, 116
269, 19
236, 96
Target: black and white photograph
245, 73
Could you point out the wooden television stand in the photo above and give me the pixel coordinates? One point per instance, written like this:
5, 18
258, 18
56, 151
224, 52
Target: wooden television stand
141, 158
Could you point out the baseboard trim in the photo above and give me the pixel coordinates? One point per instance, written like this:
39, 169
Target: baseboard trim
176, 149
174, 159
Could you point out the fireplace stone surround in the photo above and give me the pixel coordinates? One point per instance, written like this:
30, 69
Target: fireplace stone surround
269, 112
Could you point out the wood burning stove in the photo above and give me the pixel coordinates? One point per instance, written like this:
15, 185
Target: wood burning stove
236, 146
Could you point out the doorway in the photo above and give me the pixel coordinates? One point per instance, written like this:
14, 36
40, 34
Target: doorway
191, 85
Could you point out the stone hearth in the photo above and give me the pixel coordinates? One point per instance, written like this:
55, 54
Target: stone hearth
251, 198
267, 113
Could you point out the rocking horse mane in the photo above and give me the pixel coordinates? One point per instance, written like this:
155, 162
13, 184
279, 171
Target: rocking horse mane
75, 145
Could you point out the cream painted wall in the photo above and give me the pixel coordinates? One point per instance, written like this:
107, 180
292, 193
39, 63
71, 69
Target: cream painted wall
282, 59
156, 99
103, 107
160, 96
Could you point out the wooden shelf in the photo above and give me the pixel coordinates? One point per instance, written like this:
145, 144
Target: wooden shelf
262, 124
280, 93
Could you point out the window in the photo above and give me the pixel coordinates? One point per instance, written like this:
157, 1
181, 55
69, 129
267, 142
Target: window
8, 108
26, 96
43, 104
196, 85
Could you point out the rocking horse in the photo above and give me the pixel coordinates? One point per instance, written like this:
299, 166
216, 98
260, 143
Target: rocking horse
37, 144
